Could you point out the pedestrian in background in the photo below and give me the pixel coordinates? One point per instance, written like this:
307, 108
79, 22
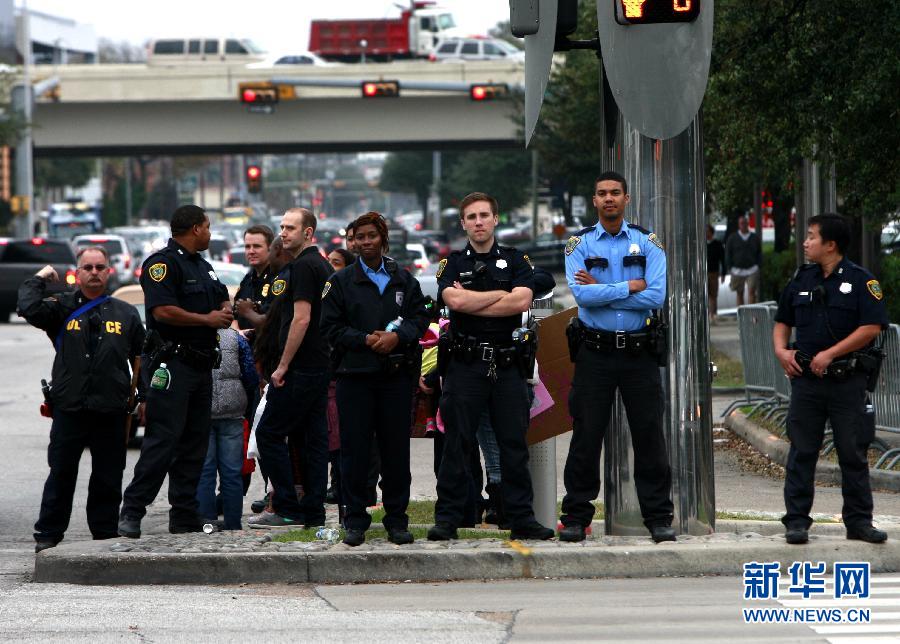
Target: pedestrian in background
837, 309
97, 339
186, 304
234, 381
252, 297
374, 314
715, 271
617, 273
743, 257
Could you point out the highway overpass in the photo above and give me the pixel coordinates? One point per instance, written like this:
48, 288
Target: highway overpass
109, 110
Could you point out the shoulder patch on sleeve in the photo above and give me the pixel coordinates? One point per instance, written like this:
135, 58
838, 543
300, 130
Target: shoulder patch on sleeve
875, 289
653, 239
326, 289
640, 229
157, 272
441, 266
573, 242
278, 287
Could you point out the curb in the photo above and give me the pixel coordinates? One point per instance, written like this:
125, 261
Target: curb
92, 563
776, 449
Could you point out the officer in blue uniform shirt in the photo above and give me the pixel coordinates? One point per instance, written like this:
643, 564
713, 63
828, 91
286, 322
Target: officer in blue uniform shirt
617, 273
837, 309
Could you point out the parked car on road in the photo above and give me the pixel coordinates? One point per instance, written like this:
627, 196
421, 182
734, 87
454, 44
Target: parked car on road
22, 258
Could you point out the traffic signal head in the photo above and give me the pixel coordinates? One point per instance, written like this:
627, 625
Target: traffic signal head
258, 95
488, 92
380, 89
254, 178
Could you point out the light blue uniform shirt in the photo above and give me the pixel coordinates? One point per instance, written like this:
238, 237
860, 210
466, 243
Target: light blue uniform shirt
381, 277
607, 305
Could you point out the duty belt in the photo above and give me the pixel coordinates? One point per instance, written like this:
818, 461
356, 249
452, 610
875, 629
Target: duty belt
607, 341
838, 370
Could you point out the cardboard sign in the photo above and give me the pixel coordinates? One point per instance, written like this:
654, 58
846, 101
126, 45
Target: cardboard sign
556, 371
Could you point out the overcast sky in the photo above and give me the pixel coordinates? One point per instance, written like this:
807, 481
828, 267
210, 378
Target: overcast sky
278, 25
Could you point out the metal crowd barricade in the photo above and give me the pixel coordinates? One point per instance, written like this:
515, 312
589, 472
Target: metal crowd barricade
755, 324
886, 397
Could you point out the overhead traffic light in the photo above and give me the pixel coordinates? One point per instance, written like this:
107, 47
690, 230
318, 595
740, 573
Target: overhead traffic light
258, 97
254, 179
380, 89
488, 91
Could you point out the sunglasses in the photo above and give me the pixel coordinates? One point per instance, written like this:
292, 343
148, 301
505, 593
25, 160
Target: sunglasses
89, 268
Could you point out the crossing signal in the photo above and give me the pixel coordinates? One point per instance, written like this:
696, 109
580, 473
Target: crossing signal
254, 178
380, 89
488, 92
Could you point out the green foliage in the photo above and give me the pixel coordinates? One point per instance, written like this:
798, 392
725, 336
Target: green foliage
890, 284
11, 123
777, 269
408, 172
805, 78
63, 172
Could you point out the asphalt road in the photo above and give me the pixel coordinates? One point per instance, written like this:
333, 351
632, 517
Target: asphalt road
689, 610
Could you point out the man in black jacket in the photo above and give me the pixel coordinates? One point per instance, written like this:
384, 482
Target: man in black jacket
96, 339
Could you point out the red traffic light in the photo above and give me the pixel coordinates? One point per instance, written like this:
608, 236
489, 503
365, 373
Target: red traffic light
248, 96
488, 92
253, 172
254, 178
258, 94
380, 89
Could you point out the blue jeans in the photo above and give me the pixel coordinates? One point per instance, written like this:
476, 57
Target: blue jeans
225, 456
487, 441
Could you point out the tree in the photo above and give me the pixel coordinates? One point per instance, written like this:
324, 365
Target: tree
123, 51
56, 173
503, 174
408, 172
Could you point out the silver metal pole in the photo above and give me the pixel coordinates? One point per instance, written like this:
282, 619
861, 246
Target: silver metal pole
24, 160
666, 183
542, 456
534, 194
434, 198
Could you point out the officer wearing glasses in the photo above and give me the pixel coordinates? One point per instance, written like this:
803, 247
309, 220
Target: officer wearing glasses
96, 337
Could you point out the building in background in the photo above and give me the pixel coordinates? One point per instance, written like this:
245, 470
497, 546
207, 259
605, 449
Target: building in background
54, 40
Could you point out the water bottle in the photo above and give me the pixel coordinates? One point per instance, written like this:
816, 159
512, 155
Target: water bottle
393, 325
161, 377
331, 535
209, 528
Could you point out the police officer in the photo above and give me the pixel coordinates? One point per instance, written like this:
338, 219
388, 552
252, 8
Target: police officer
617, 273
837, 309
185, 303
487, 287
252, 297
96, 337
297, 398
374, 313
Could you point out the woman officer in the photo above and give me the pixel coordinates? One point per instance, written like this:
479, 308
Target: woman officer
373, 313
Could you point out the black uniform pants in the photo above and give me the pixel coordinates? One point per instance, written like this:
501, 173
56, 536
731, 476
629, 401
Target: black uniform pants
593, 393
297, 410
813, 401
70, 434
378, 406
176, 438
467, 393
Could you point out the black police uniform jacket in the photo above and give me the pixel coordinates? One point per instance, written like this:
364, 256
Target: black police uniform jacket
90, 370
256, 288
824, 311
352, 308
174, 276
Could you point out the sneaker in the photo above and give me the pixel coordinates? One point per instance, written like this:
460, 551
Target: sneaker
272, 520
442, 532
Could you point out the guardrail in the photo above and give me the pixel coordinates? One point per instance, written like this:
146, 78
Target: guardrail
769, 391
